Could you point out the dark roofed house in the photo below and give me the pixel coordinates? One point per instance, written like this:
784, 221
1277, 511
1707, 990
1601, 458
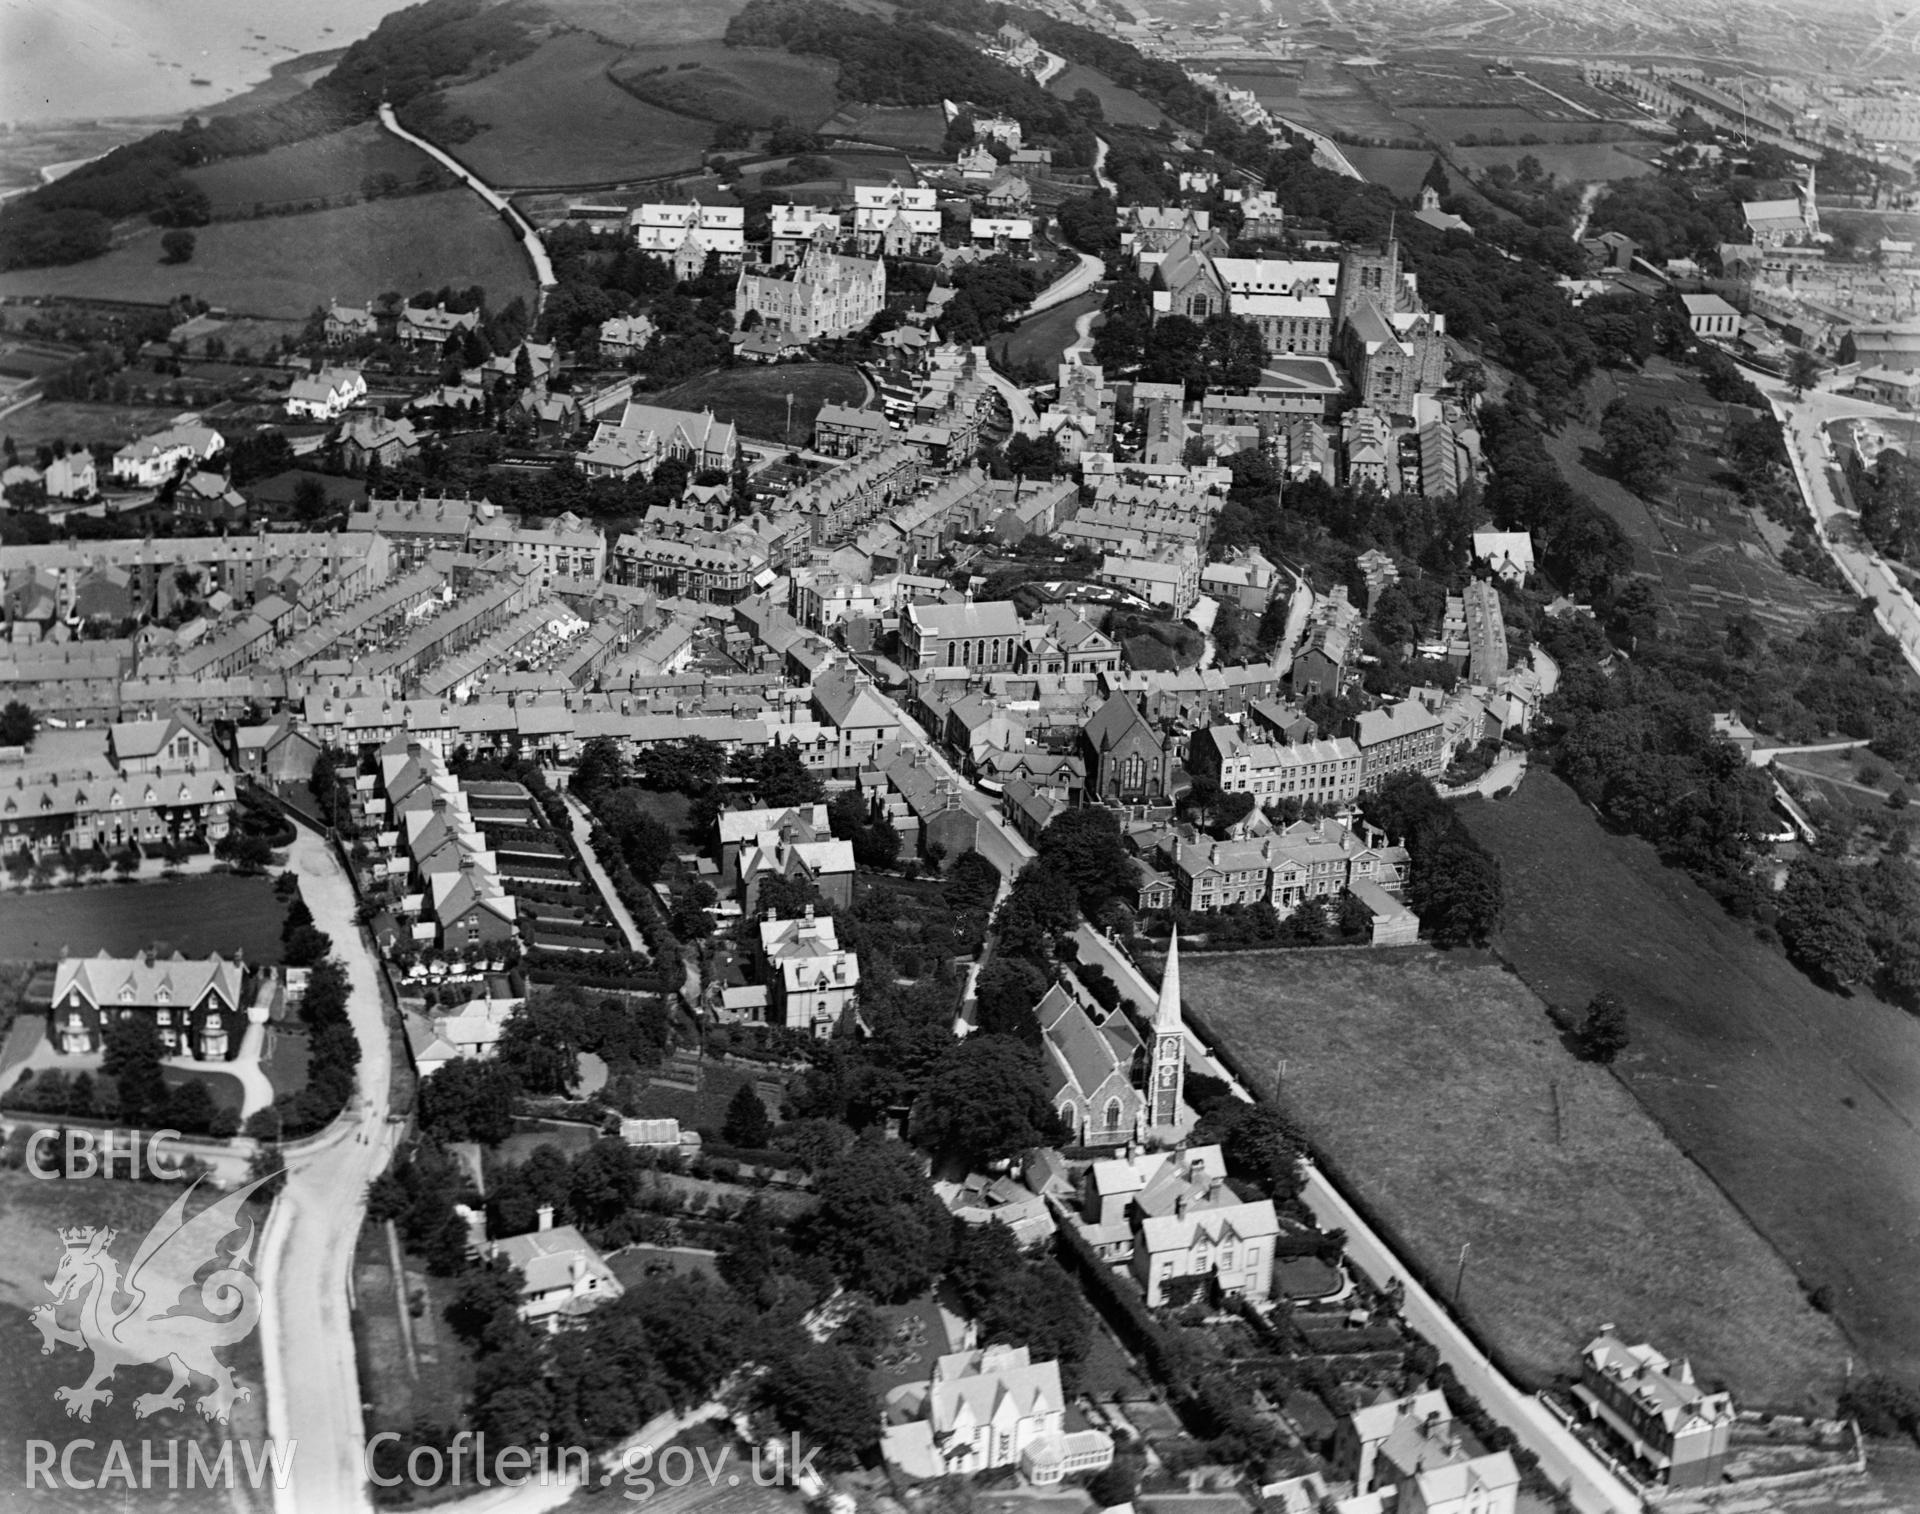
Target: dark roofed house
1092, 1061
1129, 760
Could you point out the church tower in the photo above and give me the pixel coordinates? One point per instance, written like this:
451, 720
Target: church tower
1168, 1069
1369, 273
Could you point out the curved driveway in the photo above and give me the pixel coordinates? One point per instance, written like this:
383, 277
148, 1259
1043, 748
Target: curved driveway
306, 1336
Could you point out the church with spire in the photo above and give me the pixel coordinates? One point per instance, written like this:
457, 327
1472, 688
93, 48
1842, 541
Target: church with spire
1118, 1076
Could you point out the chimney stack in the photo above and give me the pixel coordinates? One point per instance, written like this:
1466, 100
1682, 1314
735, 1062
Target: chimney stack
546, 1216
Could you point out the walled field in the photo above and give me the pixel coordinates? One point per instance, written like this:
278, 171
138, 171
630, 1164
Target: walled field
755, 399
216, 912
554, 117
719, 83
284, 266
1122, 106
1802, 1104
1431, 1080
329, 167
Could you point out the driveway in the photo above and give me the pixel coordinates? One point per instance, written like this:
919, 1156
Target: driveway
313, 1387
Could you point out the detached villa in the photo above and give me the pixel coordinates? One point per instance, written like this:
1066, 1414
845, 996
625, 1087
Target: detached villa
197, 1003
563, 1276
985, 1409
1676, 1431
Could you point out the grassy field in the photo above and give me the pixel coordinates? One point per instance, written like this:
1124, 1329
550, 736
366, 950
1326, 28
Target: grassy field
216, 912
554, 117
633, 25
31, 1214
1047, 336
750, 85
324, 168
284, 266
1121, 105
78, 423
1431, 1081
755, 399
1583, 161
1803, 1105
905, 126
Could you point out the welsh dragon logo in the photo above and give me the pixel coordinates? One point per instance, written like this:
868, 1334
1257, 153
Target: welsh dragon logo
140, 1319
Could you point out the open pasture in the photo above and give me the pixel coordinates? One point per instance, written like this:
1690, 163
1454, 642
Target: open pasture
285, 266
1120, 105
1802, 1105
332, 167
557, 117
749, 85
1440, 1088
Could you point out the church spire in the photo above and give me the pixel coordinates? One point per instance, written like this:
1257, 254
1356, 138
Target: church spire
1166, 1014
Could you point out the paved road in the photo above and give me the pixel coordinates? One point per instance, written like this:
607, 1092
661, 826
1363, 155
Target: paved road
1000, 844
529, 238
1019, 406
582, 832
313, 1390
1070, 285
1806, 418
1100, 150
1563, 1458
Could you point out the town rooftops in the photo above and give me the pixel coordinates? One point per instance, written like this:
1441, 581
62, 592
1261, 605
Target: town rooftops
993, 617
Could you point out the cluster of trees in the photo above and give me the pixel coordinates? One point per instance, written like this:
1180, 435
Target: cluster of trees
1649, 759
876, 844
1639, 442
1456, 888
909, 60
1854, 924
987, 294
1223, 352
333, 1052
302, 943
1888, 494
1581, 546
131, 1089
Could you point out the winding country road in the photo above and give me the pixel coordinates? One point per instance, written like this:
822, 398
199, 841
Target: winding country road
306, 1335
523, 228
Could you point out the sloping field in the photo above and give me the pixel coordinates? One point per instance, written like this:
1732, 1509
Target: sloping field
915, 127
554, 117
286, 265
632, 25
1431, 1081
1121, 105
326, 168
1803, 1105
750, 85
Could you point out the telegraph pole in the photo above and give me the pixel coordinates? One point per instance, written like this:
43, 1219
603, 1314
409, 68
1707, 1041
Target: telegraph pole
1460, 1277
